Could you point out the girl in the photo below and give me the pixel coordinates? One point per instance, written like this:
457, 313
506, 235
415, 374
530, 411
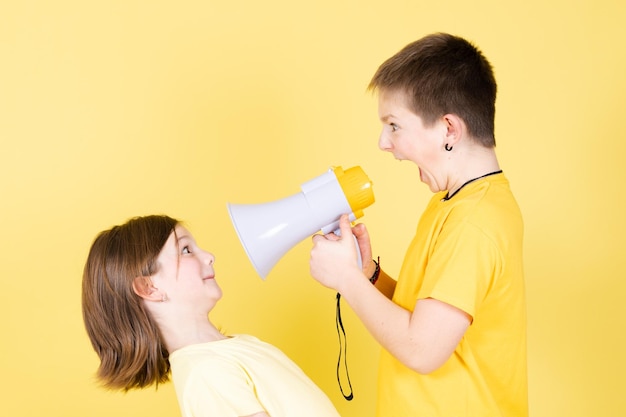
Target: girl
147, 292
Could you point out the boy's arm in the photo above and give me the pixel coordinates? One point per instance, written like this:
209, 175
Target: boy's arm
422, 340
385, 284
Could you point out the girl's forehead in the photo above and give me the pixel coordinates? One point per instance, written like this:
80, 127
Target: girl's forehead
182, 234
179, 233
182, 231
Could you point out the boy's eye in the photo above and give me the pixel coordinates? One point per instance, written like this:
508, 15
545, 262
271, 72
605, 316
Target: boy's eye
394, 127
186, 250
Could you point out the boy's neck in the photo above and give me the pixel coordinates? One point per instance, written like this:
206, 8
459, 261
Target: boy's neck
479, 161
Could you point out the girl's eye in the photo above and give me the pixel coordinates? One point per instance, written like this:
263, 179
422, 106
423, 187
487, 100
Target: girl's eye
186, 250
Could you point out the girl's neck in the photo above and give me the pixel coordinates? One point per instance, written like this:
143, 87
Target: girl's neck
184, 333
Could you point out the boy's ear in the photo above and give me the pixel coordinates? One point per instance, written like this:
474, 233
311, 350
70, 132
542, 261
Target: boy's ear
143, 287
455, 128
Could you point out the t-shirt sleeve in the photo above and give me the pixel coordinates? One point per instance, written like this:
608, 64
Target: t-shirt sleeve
461, 268
220, 389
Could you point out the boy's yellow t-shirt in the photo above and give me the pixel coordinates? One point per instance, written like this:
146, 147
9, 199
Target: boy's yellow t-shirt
467, 252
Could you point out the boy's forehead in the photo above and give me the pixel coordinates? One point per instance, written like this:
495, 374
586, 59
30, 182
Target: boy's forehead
396, 96
392, 101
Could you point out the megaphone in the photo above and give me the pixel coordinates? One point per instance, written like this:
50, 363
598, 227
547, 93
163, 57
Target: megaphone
268, 231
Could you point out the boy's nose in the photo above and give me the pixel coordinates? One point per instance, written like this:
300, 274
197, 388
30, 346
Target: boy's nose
383, 143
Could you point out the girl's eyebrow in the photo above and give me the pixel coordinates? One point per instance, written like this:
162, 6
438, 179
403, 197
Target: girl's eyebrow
182, 237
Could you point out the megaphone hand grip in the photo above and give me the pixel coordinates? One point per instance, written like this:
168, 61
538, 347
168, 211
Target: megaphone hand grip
334, 226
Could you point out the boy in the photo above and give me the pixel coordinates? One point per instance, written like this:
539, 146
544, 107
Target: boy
453, 328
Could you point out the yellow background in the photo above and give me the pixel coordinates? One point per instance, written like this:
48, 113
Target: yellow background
110, 109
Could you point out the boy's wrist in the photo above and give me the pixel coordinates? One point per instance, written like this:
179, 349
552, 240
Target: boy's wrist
376, 273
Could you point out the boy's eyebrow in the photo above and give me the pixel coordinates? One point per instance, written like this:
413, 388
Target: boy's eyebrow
386, 117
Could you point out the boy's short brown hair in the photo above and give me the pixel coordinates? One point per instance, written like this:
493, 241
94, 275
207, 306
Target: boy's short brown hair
441, 74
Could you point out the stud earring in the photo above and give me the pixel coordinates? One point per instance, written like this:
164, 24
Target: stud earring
164, 298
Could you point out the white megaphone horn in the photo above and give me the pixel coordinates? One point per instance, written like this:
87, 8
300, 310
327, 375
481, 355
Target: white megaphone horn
268, 231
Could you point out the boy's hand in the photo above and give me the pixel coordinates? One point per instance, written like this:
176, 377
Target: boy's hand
332, 256
363, 239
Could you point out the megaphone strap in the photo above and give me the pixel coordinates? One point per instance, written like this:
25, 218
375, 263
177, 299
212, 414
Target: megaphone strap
343, 351
343, 342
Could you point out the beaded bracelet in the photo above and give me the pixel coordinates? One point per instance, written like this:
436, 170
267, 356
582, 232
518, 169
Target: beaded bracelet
374, 277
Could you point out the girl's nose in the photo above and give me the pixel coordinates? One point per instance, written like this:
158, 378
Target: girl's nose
209, 258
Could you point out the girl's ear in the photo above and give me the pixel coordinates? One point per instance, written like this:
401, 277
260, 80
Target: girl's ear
143, 287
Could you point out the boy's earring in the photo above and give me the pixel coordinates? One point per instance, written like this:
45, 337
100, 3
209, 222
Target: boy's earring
164, 298
447, 147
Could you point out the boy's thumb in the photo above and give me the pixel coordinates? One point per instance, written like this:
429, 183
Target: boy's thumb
344, 225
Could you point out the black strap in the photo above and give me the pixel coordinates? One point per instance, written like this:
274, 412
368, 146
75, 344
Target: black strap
343, 351
449, 196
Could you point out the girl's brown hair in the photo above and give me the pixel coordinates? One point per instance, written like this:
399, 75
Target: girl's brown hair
122, 332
